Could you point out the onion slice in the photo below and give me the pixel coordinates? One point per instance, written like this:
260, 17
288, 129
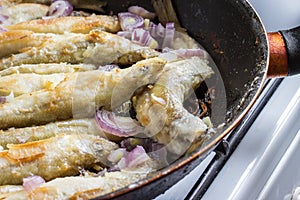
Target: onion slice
143, 37
32, 182
169, 35
59, 8
3, 18
5, 99
117, 125
141, 12
129, 21
184, 53
134, 158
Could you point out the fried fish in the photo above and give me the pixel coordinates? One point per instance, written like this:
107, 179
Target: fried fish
23, 12
160, 108
49, 68
97, 47
74, 24
35, 133
54, 157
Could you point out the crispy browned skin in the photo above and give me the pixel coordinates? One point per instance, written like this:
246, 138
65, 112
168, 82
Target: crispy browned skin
54, 157
97, 47
75, 24
78, 95
14, 41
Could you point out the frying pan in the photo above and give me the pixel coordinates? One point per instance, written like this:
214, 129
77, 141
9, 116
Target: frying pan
245, 56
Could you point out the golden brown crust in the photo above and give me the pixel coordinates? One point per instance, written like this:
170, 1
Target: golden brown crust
75, 24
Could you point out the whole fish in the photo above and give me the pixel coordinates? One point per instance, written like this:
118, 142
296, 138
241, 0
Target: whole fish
74, 24
23, 12
74, 126
95, 5
79, 95
87, 187
20, 84
160, 108
58, 156
97, 47
50, 68
14, 41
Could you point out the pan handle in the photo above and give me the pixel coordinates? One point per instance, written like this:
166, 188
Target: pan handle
284, 53
292, 42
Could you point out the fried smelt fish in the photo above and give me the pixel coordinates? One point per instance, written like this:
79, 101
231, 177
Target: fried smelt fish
33, 82
79, 95
95, 5
14, 41
54, 157
49, 68
35, 133
160, 108
97, 47
87, 187
74, 24
23, 12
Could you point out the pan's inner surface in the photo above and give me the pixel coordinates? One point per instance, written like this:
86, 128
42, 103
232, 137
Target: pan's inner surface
235, 39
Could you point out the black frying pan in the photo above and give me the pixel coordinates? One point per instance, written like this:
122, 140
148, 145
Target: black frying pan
234, 36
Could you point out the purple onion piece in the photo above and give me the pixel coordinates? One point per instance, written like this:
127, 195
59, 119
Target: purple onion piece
184, 53
143, 37
169, 36
32, 182
129, 21
108, 67
3, 18
59, 8
134, 158
141, 12
117, 125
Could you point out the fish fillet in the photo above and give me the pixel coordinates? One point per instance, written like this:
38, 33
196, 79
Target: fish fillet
160, 108
79, 95
97, 47
54, 157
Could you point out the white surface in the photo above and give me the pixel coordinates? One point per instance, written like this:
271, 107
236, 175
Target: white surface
251, 165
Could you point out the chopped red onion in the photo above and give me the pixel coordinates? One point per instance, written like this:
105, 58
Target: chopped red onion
3, 29
125, 34
143, 37
108, 67
169, 35
183, 53
116, 155
4, 99
129, 21
134, 158
32, 182
3, 18
117, 125
59, 8
141, 12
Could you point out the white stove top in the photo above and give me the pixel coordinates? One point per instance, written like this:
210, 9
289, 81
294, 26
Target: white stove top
265, 165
